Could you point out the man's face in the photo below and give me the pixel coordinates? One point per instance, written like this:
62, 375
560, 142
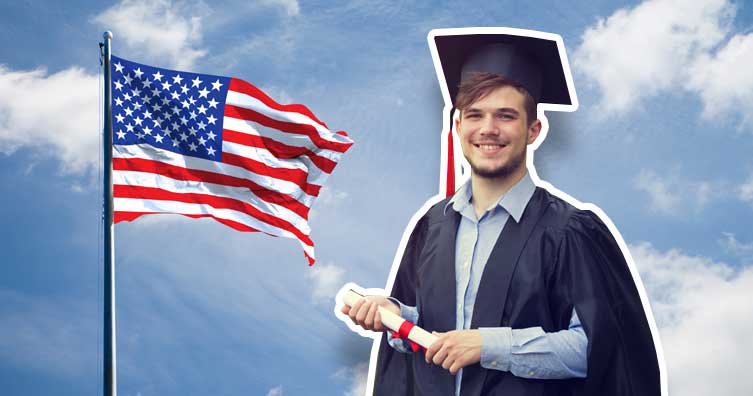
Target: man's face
494, 133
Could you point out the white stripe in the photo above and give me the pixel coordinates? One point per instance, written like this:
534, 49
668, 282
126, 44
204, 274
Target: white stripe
315, 175
243, 100
291, 139
159, 206
143, 179
149, 152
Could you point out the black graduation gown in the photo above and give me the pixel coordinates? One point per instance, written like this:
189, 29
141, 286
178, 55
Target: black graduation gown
556, 258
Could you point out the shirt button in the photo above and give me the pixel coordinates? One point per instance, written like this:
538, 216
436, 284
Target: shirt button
531, 373
494, 363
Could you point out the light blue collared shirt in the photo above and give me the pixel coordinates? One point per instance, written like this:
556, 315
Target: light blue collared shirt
527, 353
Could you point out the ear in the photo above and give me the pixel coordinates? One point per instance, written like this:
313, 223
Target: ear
456, 127
533, 131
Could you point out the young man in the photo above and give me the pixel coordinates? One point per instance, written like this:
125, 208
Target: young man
527, 294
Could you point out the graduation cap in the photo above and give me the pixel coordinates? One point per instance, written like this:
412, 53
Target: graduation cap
535, 60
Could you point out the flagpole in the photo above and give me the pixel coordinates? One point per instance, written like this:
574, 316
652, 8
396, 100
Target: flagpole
109, 372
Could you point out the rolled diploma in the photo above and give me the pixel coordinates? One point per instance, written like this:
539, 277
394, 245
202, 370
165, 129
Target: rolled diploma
393, 322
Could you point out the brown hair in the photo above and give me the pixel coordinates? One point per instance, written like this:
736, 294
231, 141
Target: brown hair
481, 84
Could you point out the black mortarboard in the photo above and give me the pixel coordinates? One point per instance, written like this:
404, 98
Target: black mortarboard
533, 62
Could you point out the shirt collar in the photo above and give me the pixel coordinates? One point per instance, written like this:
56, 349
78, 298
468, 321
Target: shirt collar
514, 201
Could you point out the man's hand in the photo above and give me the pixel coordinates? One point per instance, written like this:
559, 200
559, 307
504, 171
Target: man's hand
364, 312
455, 349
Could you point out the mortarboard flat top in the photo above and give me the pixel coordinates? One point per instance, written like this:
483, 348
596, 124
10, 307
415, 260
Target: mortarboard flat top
533, 62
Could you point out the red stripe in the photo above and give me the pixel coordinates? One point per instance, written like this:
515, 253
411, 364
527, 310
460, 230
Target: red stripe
249, 89
296, 176
287, 127
138, 192
280, 150
180, 173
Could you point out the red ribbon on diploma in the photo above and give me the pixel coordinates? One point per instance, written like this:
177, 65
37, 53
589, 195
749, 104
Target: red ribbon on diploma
403, 332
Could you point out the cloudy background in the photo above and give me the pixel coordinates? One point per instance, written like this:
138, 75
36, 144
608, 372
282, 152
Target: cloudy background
662, 142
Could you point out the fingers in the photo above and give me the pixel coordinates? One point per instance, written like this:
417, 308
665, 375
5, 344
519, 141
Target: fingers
363, 313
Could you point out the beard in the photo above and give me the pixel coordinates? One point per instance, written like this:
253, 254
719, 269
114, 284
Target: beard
502, 171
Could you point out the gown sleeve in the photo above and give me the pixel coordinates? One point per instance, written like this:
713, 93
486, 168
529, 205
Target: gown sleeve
591, 275
394, 370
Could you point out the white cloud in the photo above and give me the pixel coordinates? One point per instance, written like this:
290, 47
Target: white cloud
723, 79
745, 190
326, 281
672, 194
276, 391
703, 311
357, 376
733, 246
162, 32
53, 113
291, 7
637, 52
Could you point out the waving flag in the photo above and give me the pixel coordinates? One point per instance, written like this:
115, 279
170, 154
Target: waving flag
209, 146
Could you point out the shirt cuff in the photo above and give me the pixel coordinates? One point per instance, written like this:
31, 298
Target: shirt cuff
496, 348
406, 311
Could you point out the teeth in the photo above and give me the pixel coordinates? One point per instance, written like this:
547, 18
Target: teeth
490, 146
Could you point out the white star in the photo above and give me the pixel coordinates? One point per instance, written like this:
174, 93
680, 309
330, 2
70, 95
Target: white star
183, 88
210, 151
128, 112
184, 120
211, 135
185, 104
120, 118
136, 106
165, 86
175, 143
192, 146
211, 119
202, 125
196, 82
175, 110
140, 135
118, 67
175, 95
138, 72
213, 103
183, 136
202, 109
147, 130
127, 79
147, 114
157, 76
121, 134
146, 83
156, 107
216, 85
203, 93
158, 138
175, 125
155, 92
129, 127
136, 92
192, 131
167, 131
202, 141
118, 85
165, 101
192, 114
157, 121
126, 96
138, 121
192, 100
118, 102
177, 79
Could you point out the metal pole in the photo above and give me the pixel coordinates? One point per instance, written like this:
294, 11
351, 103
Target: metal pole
109, 382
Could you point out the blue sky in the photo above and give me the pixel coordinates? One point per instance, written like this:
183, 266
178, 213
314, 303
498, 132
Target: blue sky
661, 142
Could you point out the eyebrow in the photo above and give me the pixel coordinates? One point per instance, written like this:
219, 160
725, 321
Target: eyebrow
506, 110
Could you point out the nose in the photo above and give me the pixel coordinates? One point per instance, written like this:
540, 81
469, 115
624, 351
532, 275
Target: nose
489, 126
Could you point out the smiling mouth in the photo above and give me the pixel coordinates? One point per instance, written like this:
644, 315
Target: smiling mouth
489, 147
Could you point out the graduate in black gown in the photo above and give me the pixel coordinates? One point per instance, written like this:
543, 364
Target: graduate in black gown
557, 259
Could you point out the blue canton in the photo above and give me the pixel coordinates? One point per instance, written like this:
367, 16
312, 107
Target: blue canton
172, 110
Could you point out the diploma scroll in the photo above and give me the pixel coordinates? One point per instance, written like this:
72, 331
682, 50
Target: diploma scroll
395, 322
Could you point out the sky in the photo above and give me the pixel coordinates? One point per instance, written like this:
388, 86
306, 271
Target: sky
662, 142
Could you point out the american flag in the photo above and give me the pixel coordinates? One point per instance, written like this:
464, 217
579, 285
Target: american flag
209, 146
